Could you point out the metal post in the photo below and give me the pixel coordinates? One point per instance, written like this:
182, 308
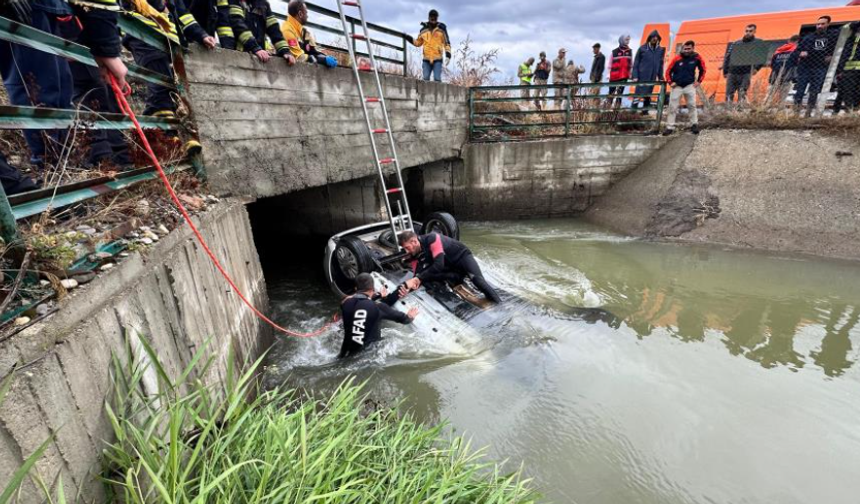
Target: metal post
567, 111
405, 58
661, 100
844, 33
8, 226
471, 113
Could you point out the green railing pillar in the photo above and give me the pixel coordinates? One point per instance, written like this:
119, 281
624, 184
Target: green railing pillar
567, 111
660, 102
8, 226
471, 114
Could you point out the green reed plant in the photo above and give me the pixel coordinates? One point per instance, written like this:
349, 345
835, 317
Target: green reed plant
189, 443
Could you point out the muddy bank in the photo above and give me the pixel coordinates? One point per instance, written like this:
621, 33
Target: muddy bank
790, 191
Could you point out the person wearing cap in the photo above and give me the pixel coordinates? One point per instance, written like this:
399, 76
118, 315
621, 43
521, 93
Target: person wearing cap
434, 38
597, 66
541, 78
558, 76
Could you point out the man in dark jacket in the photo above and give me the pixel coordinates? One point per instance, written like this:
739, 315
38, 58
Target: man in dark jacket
619, 68
648, 67
739, 74
814, 54
783, 66
597, 67
435, 257
362, 315
685, 74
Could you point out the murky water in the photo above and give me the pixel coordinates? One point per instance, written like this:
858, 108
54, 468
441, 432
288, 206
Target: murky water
728, 377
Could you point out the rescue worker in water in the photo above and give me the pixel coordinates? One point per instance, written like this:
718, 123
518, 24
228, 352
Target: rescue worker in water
362, 314
435, 257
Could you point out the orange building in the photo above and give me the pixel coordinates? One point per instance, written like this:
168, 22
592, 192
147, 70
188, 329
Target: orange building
713, 36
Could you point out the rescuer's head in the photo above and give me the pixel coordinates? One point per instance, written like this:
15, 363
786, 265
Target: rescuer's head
749, 32
823, 24
409, 241
298, 10
364, 284
688, 48
433, 17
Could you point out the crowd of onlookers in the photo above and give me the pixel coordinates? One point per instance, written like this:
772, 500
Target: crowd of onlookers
799, 66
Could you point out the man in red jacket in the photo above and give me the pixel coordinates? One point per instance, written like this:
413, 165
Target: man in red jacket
620, 66
681, 76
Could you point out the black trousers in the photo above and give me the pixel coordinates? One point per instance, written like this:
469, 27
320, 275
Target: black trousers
158, 99
467, 266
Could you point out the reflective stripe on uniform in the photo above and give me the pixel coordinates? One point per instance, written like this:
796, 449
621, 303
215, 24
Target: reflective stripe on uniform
164, 113
224, 31
281, 44
244, 37
271, 21
187, 19
222, 3
853, 63
237, 11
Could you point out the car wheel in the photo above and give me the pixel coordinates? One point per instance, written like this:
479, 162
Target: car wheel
353, 257
442, 223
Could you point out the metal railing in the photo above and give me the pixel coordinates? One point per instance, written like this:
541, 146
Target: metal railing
401, 48
40, 118
505, 113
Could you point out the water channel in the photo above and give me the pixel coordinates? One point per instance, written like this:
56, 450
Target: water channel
726, 376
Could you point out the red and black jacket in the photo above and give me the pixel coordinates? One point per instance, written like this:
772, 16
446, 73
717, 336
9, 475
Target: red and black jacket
438, 253
682, 70
621, 64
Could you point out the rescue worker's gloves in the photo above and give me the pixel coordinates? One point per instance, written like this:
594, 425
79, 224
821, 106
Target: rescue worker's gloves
330, 61
409, 39
448, 54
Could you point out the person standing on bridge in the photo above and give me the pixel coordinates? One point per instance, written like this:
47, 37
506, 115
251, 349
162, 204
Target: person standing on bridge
739, 74
619, 69
849, 71
434, 38
362, 315
525, 75
541, 78
300, 40
598, 65
435, 257
814, 54
252, 21
648, 67
558, 77
684, 81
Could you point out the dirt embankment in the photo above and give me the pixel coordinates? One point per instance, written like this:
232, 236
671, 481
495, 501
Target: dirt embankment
789, 191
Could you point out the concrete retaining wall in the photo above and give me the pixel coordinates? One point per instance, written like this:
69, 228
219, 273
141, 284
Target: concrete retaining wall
172, 295
517, 180
269, 129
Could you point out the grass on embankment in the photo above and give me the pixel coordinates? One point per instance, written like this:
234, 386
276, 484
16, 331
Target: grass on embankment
190, 443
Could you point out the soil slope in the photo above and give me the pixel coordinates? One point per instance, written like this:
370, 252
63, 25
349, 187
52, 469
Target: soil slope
789, 191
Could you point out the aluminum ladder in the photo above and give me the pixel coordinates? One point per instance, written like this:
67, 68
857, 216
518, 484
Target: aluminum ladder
393, 196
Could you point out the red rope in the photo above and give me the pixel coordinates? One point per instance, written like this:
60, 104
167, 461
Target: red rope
126, 109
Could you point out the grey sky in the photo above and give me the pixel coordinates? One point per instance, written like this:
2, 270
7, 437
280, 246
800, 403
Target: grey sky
524, 28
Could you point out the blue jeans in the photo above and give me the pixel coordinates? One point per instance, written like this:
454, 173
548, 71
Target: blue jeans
36, 78
812, 77
435, 67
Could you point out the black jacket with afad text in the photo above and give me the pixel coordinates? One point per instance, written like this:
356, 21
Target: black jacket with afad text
361, 318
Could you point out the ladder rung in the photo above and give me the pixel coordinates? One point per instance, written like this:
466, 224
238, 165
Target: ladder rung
372, 100
351, 4
358, 36
386, 161
394, 191
380, 131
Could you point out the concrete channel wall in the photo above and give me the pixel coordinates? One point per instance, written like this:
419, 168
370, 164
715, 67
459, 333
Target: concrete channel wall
540, 179
172, 295
269, 129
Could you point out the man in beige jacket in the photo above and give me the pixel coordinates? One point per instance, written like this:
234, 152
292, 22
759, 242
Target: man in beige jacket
558, 76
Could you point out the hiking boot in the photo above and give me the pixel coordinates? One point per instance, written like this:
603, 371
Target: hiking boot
668, 131
695, 129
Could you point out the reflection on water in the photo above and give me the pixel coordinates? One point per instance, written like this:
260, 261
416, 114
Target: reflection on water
720, 376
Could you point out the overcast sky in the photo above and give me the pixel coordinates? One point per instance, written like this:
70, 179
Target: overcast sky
523, 28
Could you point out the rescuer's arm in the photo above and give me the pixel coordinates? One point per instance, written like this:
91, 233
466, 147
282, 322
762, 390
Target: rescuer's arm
388, 313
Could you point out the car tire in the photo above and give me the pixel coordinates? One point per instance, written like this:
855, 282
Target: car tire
352, 257
442, 223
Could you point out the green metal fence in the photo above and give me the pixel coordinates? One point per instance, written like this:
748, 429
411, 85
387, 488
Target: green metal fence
505, 113
400, 47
